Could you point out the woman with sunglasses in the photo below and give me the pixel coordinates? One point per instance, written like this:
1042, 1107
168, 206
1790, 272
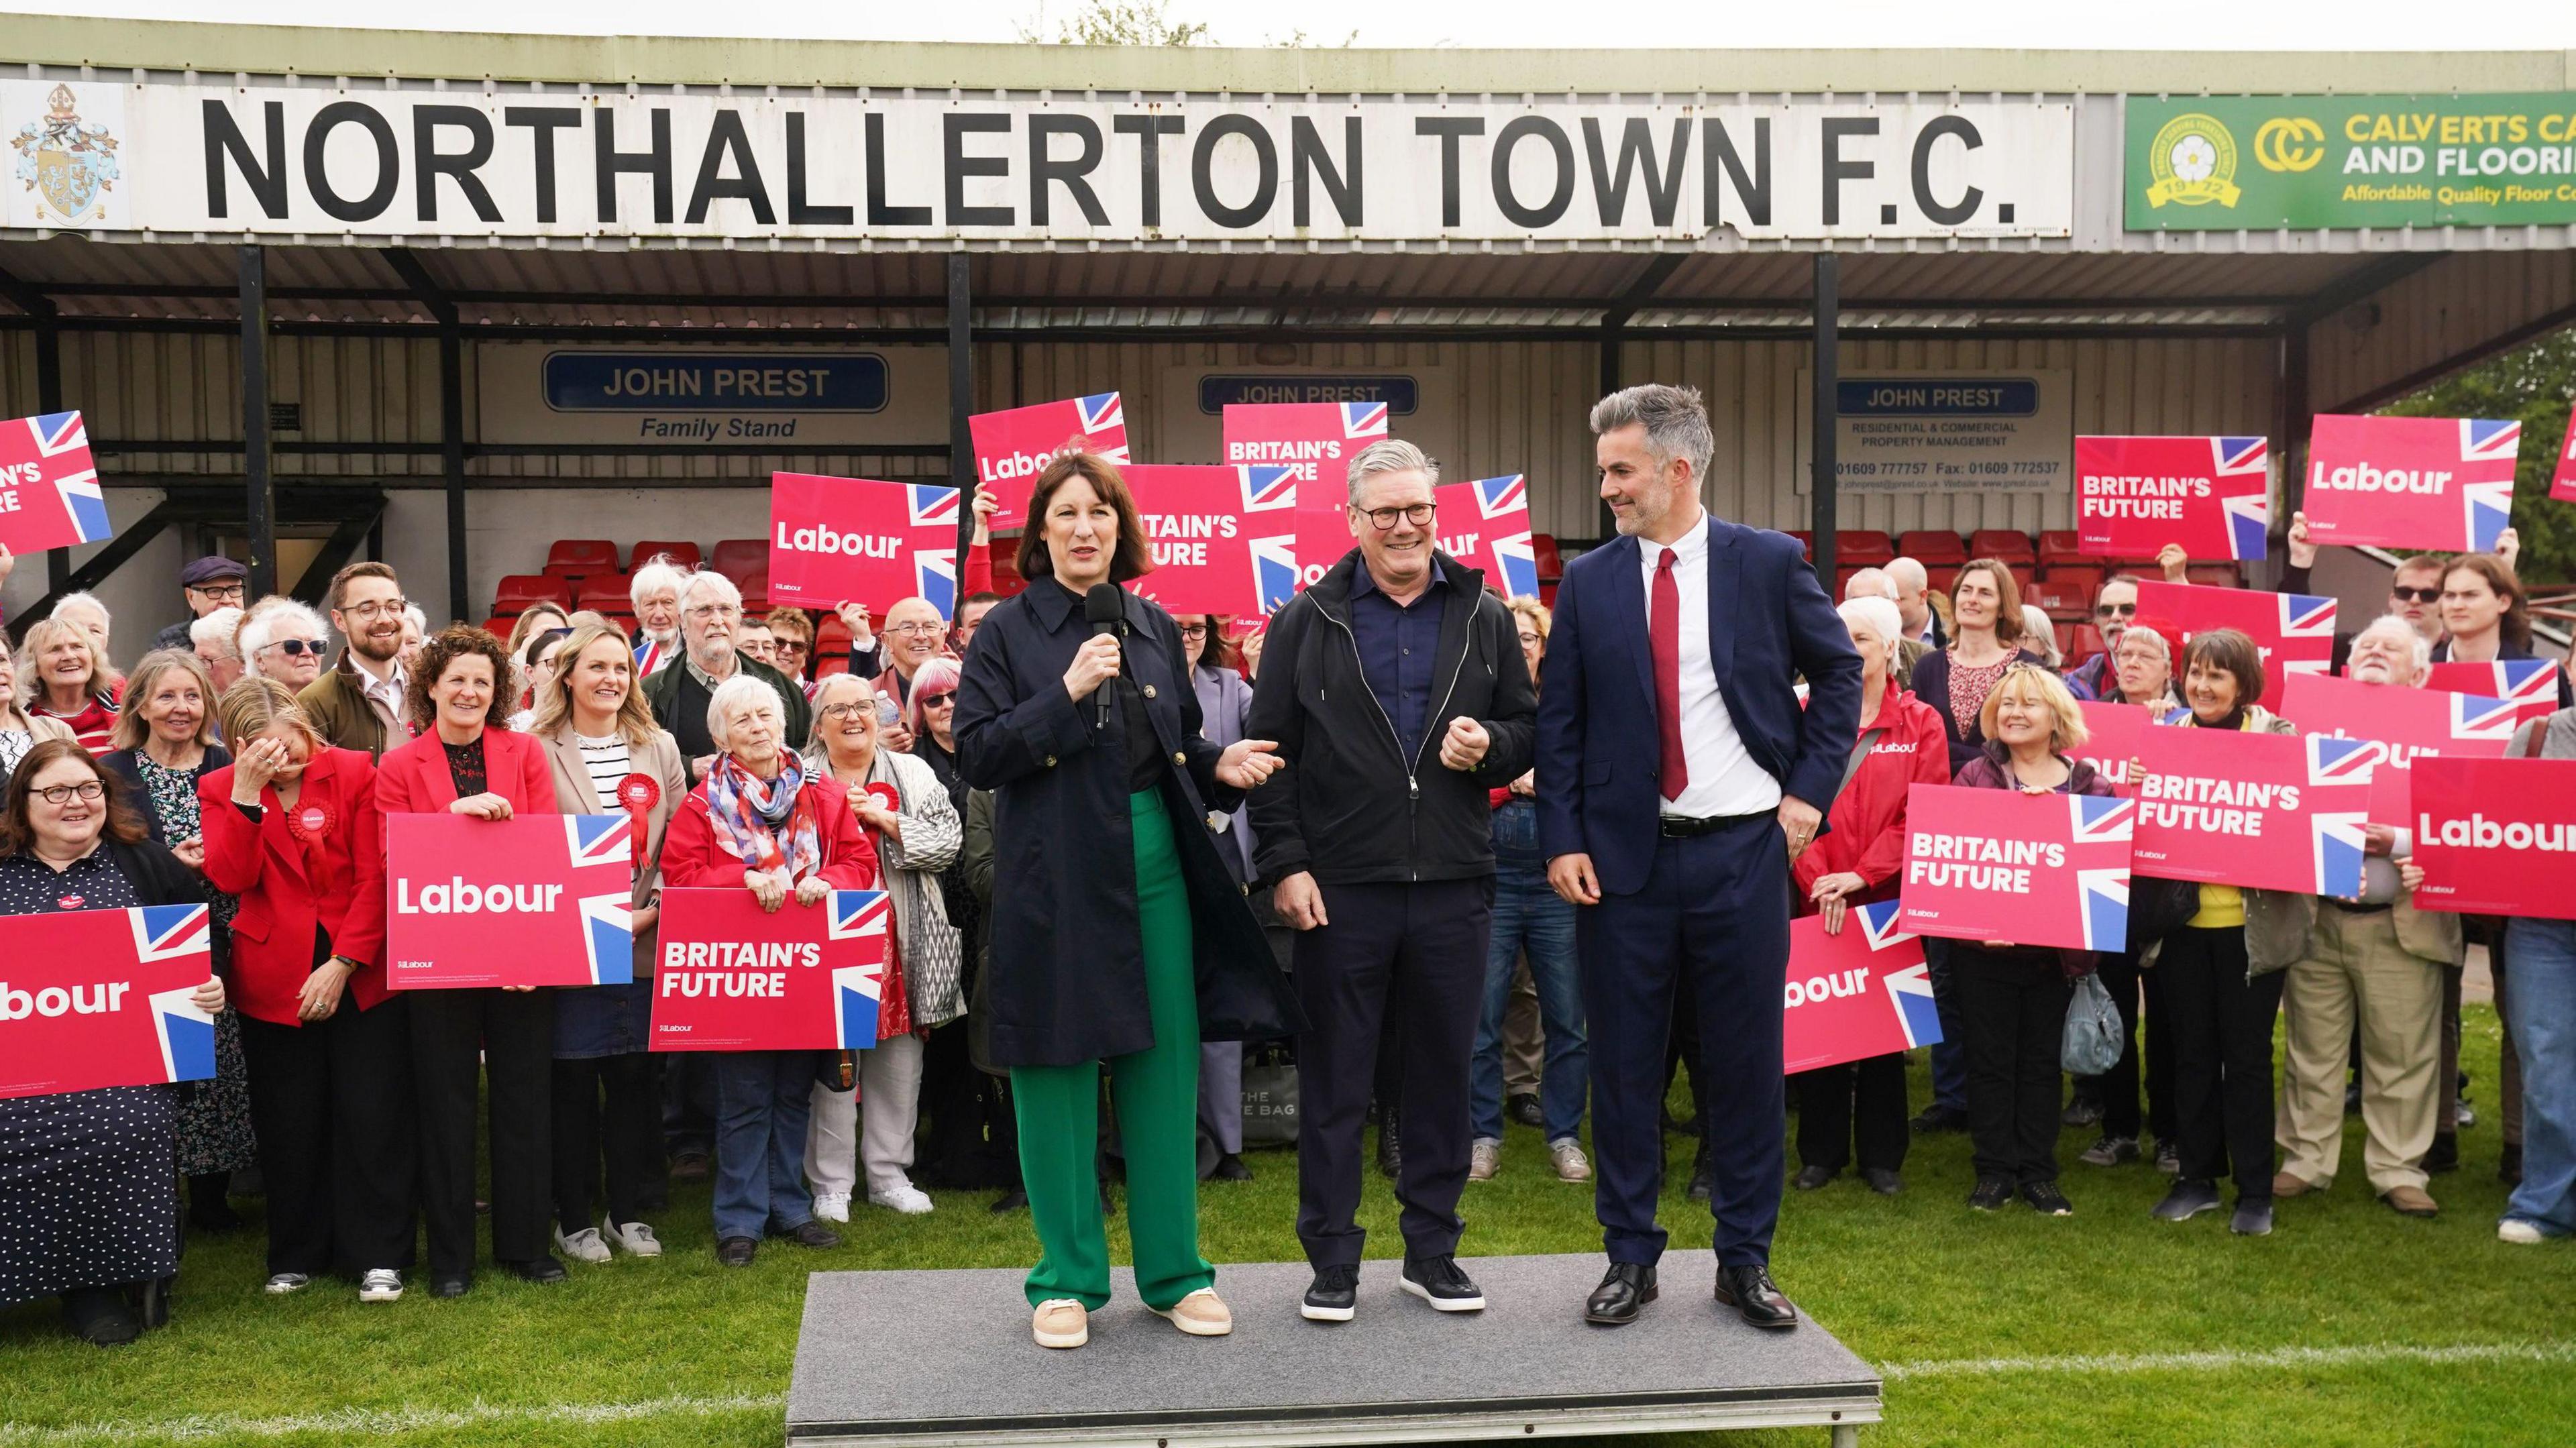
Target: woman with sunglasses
282, 640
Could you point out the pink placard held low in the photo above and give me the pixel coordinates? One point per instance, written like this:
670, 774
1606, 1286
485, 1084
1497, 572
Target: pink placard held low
92, 998
728, 976
2112, 731
2025, 869
535, 900
2413, 723
2295, 631
2258, 811
1861, 993
2496, 836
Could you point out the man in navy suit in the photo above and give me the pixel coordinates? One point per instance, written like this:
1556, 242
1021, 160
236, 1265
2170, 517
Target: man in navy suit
1677, 778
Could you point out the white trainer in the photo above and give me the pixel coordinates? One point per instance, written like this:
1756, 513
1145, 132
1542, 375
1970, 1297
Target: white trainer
832, 1206
908, 1199
636, 1237
382, 1284
285, 1282
2519, 1232
582, 1246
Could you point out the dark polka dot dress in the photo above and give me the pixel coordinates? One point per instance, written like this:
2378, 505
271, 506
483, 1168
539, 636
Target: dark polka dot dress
88, 1196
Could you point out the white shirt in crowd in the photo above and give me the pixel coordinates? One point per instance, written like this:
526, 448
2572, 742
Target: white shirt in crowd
1724, 779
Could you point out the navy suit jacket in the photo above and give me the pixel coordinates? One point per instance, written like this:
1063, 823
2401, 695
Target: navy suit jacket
1599, 753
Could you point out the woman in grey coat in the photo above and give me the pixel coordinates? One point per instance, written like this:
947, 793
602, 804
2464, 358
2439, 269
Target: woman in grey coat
1225, 706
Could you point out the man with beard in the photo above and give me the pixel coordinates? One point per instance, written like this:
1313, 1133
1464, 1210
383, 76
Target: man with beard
710, 613
358, 701
654, 591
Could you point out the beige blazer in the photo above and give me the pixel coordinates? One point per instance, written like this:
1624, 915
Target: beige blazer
659, 759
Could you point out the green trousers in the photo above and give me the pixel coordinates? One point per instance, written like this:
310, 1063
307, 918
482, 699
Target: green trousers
1157, 1095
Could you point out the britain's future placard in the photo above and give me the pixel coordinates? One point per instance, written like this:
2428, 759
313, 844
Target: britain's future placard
2026, 869
532, 901
1014, 446
2258, 811
1224, 538
843, 540
1857, 994
1315, 440
49, 492
92, 998
2134, 495
2411, 482
729, 976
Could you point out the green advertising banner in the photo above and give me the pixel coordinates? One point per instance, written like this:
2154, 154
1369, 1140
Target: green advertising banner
2228, 163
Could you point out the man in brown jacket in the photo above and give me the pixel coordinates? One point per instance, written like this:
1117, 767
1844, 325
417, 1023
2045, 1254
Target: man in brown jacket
358, 701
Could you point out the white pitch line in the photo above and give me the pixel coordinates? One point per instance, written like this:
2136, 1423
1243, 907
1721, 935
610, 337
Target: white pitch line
2279, 1357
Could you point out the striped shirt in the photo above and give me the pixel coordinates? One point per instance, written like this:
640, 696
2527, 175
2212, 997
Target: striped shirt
609, 762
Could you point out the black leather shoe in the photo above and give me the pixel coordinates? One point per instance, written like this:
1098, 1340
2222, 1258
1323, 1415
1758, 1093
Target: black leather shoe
540, 1270
450, 1284
737, 1251
813, 1234
1624, 1292
1750, 1291
1014, 1200
1882, 1181
2046, 1199
1525, 1109
1334, 1295
101, 1316
1230, 1168
1812, 1176
1438, 1281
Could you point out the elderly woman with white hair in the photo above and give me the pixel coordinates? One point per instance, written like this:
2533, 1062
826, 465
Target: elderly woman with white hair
653, 590
1858, 860
285, 641
91, 615
62, 676
762, 821
20, 729
214, 640
914, 825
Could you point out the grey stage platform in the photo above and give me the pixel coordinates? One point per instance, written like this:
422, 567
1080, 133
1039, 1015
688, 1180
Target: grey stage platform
922, 1358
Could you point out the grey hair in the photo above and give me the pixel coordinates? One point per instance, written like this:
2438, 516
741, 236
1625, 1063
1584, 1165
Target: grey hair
2036, 624
2418, 647
1879, 613
261, 630
729, 694
655, 576
218, 628
418, 620
1675, 420
707, 580
1394, 455
1871, 583
85, 600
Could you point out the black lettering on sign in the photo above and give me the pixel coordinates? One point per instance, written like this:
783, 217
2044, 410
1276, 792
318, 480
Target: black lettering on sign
267, 180
430, 163
1637, 148
1512, 135
799, 213
880, 213
1045, 170
1940, 126
542, 122
1265, 155
610, 163
1836, 169
1149, 132
1449, 129
1307, 159
1717, 151
725, 137
956, 165
388, 161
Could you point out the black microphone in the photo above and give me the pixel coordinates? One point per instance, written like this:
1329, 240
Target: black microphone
1104, 607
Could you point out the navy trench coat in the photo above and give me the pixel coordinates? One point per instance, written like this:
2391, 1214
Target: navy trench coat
1068, 960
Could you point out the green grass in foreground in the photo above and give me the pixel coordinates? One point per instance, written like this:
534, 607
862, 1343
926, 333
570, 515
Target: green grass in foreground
1920, 1284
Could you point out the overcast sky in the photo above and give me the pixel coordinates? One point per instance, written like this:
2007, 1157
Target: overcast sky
2013, 24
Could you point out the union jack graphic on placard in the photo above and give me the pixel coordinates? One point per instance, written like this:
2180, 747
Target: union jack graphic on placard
1878, 924
858, 913
1101, 412
2306, 617
1917, 1014
932, 505
187, 1035
2103, 893
162, 932
650, 656
934, 577
2490, 440
600, 839
2333, 760
1517, 560
1267, 487
59, 443
2340, 838
2240, 456
1497, 496
1364, 419
2473, 717
2099, 820
2249, 526
608, 938
857, 995
1274, 571
2488, 504
2530, 685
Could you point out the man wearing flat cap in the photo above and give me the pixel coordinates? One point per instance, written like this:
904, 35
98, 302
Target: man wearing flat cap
207, 584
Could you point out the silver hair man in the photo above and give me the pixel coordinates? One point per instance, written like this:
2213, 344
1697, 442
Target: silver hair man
1871, 583
1676, 423
1394, 455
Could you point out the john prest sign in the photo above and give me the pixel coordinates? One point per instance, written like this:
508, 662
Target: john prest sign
1905, 431
680, 395
487, 162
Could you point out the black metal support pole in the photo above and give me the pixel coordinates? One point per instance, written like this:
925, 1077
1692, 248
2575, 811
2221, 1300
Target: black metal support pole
2294, 419
961, 404
1826, 419
49, 399
259, 509
451, 451
1614, 335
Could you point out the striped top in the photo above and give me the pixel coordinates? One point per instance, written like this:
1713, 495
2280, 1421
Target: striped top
609, 762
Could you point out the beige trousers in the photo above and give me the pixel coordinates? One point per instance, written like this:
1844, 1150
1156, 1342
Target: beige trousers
2359, 971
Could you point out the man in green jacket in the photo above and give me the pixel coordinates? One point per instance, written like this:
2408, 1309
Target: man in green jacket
358, 703
710, 627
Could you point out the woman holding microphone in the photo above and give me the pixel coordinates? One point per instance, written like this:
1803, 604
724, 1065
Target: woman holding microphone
1077, 711
465, 763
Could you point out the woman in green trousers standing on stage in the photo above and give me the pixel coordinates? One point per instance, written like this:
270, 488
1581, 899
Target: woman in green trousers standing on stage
1117, 935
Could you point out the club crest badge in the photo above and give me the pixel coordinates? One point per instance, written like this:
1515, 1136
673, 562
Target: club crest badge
67, 160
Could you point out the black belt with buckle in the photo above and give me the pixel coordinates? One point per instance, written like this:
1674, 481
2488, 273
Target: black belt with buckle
1685, 827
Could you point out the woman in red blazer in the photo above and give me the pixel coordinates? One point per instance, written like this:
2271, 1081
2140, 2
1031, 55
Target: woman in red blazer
758, 822
464, 762
291, 828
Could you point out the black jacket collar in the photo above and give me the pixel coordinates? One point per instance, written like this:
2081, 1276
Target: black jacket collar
1332, 592
1053, 603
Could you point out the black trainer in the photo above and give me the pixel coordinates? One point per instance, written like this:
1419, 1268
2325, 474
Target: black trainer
1438, 1281
1333, 1296
1991, 1193
2187, 1200
2046, 1199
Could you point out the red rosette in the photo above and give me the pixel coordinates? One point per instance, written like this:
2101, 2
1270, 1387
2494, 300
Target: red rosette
889, 796
309, 821
639, 793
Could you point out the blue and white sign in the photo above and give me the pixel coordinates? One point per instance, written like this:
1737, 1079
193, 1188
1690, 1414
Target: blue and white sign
1966, 431
1398, 394
682, 396
715, 381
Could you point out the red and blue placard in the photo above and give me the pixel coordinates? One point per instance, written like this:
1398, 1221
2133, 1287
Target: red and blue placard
2411, 482
1012, 447
729, 976
1224, 537
2212, 495
1314, 440
2294, 630
2112, 733
93, 998
2258, 811
842, 540
49, 493
2411, 722
2496, 836
2530, 685
1485, 524
534, 900
1864, 992
2029, 869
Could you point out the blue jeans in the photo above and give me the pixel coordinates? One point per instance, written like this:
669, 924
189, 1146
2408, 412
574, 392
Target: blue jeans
763, 1100
2544, 1035
1529, 917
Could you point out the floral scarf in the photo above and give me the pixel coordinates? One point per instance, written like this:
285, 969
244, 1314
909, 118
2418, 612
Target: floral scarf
768, 826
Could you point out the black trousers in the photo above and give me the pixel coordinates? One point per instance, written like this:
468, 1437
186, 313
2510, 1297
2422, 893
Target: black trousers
605, 1114
331, 1103
2222, 1045
1862, 1100
513, 1032
1409, 953
2013, 1010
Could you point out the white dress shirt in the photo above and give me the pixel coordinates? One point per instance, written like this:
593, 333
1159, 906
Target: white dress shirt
1724, 779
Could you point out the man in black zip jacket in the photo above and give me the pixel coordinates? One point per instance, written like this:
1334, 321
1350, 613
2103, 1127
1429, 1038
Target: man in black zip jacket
1396, 690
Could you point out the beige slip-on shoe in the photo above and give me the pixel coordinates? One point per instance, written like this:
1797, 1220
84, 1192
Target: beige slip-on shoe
2411, 1202
1060, 1322
1201, 1314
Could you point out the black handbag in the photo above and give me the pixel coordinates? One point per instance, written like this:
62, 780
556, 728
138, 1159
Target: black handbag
1270, 1100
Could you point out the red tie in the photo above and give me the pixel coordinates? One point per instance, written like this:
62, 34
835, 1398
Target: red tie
1664, 638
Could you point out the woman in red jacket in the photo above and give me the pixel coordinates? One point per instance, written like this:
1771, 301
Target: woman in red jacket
463, 762
1857, 861
291, 827
758, 822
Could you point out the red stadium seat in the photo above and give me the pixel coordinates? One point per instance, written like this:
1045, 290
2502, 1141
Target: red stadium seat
518, 590
2062, 545
826, 665
2078, 641
581, 557
1930, 548
603, 593
499, 628
1941, 577
1543, 548
1862, 547
2002, 543
1806, 540
831, 637
2066, 592
738, 558
684, 554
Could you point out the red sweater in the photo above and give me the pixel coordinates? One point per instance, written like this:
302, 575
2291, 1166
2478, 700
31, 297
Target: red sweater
1867, 836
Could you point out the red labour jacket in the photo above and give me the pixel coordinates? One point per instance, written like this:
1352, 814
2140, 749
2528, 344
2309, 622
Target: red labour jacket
332, 878
1867, 836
